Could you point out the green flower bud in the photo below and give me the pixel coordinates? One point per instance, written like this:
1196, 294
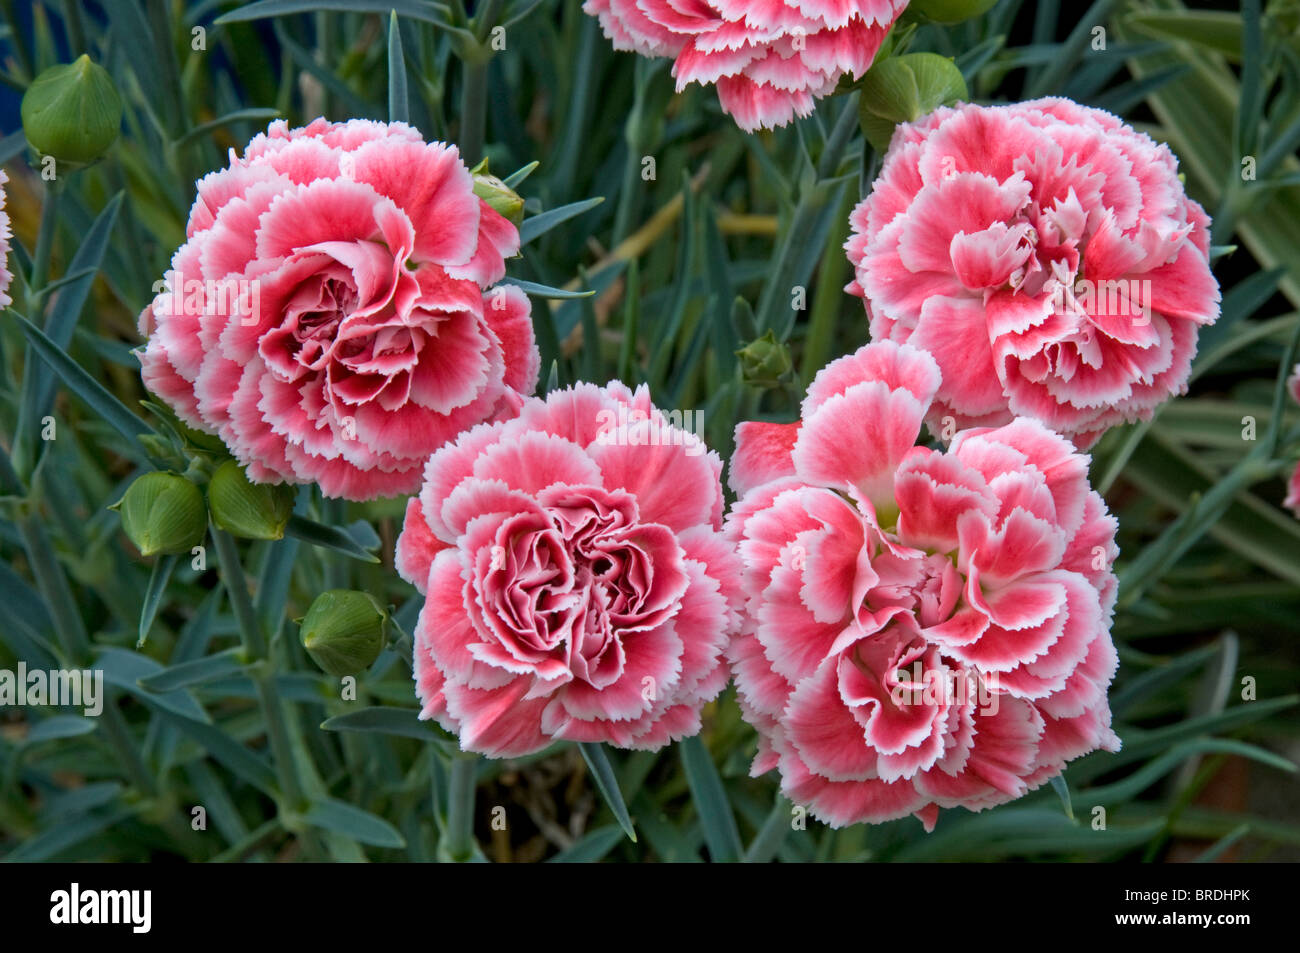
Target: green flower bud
163, 513
950, 11
764, 361
344, 631
500, 196
248, 510
72, 112
905, 88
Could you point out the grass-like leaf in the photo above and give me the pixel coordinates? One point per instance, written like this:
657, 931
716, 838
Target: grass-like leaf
603, 774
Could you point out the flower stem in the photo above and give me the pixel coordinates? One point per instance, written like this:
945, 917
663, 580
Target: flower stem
253, 639
473, 110
819, 341
232, 573
473, 94
44, 241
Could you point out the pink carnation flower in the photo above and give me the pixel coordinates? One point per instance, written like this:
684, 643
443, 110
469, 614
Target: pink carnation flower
924, 629
1293, 495
577, 584
327, 315
5, 235
1046, 255
770, 60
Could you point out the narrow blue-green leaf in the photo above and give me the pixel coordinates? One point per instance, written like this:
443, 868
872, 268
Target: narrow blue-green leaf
133, 33
517, 11
1222, 845
1063, 792
398, 110
1123, 791
518, 176
185, 674
716, 819
329, 537
67, 307
86, 387
544, 291
603, 774
350, 821
594, 845
125, 669
1246, 297
383, 720
1139, 744
158, 579
221, 746
70, 803
273, 585
1068, 53
364, 534
1250, 107
357, 107
54, 840
1150, 682
414, 9
568, 314
539, 225
1123, 98
767, 842
59, 726
12, 146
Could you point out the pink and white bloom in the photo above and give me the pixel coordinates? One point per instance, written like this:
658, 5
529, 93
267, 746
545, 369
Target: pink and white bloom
5, 235
577, 583
328, 315
1293, 490
924, 629
769, 60
1048, 257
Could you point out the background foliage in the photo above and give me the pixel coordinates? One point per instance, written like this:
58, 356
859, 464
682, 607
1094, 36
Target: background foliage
686, 268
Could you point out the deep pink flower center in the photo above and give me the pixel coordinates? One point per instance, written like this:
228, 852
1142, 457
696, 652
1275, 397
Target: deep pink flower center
573, 582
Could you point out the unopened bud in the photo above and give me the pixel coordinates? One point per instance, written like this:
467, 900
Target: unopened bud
764, 361
502, 198
72, 112
905, 88
248, 510
344, 631
163, 513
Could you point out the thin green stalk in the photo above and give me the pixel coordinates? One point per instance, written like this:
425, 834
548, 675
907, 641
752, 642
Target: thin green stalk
23, 452
45, 240
232, 574
473, 94
120, 740
459, 844
277, 733
253, 639
628, 194
820, 339
255, 838
473, 107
